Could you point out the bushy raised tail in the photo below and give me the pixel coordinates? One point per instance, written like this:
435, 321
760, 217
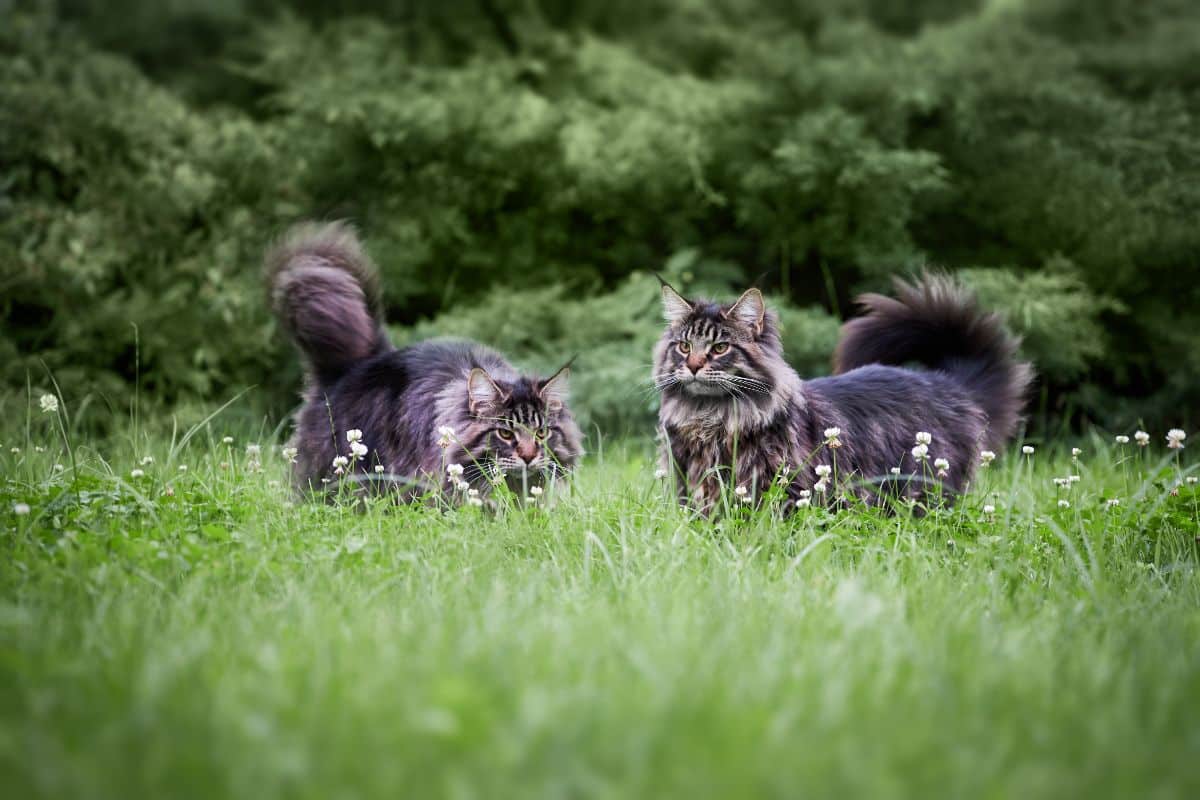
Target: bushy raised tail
938, 323
325, 290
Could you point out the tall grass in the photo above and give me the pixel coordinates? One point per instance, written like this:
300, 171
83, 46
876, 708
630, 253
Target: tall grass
197, 633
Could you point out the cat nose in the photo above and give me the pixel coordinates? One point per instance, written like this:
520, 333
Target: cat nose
527, 452
695, 364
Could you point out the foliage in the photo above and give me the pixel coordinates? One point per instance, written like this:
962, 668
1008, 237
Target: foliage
612, 390
540, 154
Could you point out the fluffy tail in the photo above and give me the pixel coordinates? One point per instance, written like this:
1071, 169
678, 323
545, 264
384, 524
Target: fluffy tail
938, 323
325, 291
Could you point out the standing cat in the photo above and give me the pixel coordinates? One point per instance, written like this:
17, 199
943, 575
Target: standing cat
400, 419
734, 413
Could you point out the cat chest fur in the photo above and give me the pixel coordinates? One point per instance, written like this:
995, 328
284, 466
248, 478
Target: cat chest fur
710, 458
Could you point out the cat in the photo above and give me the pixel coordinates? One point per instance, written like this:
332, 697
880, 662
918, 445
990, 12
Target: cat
734, 414
440, 414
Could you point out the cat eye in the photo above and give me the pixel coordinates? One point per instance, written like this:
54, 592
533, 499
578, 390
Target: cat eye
505, 434
683, 347
720, 348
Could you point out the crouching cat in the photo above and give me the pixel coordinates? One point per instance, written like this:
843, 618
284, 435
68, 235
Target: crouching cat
453, 415
734, 414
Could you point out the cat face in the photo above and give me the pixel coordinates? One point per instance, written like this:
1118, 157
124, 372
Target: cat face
716, 352
522, 431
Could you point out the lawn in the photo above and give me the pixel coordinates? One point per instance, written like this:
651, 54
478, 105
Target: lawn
196, 633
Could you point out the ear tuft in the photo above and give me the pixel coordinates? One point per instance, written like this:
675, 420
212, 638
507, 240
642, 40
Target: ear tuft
749, 310
555, 389
482, 391
675, 307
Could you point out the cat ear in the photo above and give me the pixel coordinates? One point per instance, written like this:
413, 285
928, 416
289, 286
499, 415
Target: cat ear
482, 391
749, 310
555, 389
675, 307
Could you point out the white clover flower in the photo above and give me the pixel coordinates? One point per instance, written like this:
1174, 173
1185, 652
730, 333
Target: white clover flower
1060, 482
475, 501
803, 502
183, 467
924, 437
920, 452
1191, 480
1076, 452
895, 470
1122, 439
340, 462
324, 480
289, 454
227, 440
536, 491
147, 460
941, 463
1112, 502
353, 435
1027, 450
37, 448
15, 450
986, 457
446, 436
136, 473
1064, 503
454, 470
1073, 478
472, 493
529, 501
461, 485
49, 403
833, 433
379, 469
820, 486
1142, 438
21, 509
660, 473
1175, 438
823, 470
805, 494
358, 450
59, 468
253, 451
989, 509
741, 491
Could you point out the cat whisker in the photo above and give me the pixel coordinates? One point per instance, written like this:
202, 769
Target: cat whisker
752, 384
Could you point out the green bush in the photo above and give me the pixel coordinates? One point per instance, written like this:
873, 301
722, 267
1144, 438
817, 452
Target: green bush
611, 335
544, 153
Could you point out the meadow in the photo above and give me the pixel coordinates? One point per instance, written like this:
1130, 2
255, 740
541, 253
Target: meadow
173, 623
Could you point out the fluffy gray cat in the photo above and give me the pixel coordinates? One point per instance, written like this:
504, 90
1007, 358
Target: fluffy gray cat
398, 418
734, 414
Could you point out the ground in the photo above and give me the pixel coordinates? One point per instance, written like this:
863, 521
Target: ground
197, 633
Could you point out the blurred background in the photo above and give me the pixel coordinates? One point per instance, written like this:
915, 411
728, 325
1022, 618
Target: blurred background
518, 167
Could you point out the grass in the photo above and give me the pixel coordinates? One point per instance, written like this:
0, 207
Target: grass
220, 640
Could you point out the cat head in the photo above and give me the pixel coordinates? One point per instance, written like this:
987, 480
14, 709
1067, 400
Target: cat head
718, 352
521, 429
